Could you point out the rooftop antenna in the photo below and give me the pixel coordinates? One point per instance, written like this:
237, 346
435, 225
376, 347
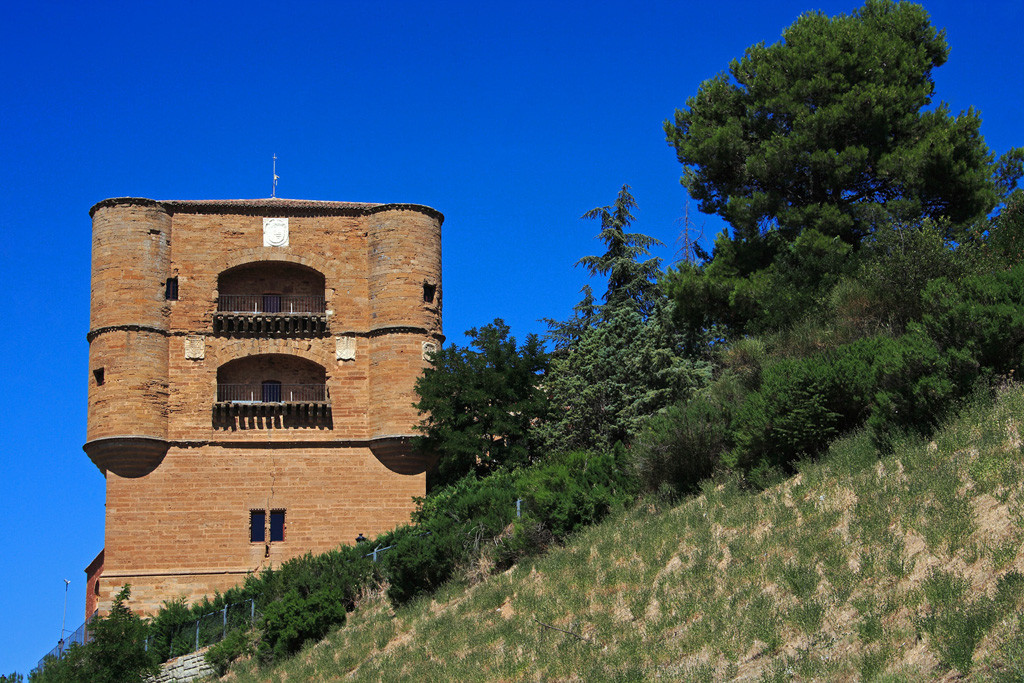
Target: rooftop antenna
273, 190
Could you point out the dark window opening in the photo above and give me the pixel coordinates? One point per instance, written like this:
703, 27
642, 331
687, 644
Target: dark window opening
276, 526
271, 303
98, 374
428, 292
271, 391
171, 289
96, 587
257, 526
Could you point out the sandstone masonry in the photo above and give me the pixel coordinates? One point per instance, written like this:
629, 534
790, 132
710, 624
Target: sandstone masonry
251, 373
184, 669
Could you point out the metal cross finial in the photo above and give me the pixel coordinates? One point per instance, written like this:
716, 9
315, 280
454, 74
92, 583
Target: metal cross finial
273, 191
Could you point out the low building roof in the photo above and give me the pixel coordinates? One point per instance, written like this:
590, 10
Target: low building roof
268, 206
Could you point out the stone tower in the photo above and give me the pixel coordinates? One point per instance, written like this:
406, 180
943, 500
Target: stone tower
251, 374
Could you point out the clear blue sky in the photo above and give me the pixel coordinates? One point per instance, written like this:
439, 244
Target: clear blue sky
512, 119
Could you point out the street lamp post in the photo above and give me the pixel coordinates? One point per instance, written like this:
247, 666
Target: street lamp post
60, 643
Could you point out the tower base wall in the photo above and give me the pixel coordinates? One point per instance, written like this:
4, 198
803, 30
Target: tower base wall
184, 530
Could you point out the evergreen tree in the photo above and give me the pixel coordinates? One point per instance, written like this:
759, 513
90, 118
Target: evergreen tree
619, 372
832, 129
632, 283
617, 362
115, 653
564, 334
478, 403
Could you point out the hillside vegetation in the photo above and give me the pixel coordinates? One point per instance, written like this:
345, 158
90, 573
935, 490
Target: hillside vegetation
905, 567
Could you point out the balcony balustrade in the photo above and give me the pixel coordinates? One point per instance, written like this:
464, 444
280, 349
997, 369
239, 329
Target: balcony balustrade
277, 304
268, 392
270, 315
272, 403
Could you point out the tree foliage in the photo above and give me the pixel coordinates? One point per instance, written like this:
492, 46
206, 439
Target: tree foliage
478, 402
632, 282
116, 652
831, 129
622, 370
620, 361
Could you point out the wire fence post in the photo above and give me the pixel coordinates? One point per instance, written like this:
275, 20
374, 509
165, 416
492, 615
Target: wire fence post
224, 631
197, 634
252, 611
375, 553
519, 507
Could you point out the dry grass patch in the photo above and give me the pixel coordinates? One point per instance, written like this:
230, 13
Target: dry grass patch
857, 568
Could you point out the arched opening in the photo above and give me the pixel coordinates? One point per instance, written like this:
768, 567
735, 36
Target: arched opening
270, 298
271, 390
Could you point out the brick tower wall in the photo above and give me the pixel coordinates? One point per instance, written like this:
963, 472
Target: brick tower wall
128, 381
182, 530
405, 260
181, 527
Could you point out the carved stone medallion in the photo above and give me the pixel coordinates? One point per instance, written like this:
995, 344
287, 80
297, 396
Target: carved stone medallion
345, 348
275, 232
195, 347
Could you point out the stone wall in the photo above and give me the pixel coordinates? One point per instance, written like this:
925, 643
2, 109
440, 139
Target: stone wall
183, 669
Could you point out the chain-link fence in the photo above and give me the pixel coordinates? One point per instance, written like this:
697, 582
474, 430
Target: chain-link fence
80, 636
208, 629
182, 639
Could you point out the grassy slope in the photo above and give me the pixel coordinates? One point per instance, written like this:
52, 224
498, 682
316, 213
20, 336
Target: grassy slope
856, 568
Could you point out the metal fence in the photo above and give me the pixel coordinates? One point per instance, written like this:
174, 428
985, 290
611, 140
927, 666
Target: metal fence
270, 303
79, 636
208, 629
271, 392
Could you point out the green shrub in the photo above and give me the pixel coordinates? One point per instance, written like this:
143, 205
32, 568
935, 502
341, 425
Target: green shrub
419, 563
295, 619
238, 643
577, 489
894, 385
682, 445
342, 571
982, 315
456, 524
789, 417
898, 264
171, 630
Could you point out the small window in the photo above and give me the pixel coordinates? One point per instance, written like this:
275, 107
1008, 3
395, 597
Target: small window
271, 391
276, 526
171, 289
257, 526
98, 375
428, 292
